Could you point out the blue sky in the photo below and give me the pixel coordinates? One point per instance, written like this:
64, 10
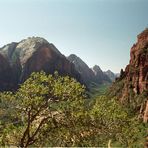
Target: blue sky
99, 31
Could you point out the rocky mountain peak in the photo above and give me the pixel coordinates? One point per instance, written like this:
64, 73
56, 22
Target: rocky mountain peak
77, 61
111, 75
89, 75
28, 46
136, 73
72, 56
143, 35
33, 40
96, 69
137, 70
23, 50
34, 54
109, 71
100, 76
86, 73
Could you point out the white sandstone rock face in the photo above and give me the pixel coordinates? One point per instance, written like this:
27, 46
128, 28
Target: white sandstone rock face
23, 50
32, 55
27, 47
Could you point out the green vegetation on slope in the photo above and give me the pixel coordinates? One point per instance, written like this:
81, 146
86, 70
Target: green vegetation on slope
98, 89
54, 111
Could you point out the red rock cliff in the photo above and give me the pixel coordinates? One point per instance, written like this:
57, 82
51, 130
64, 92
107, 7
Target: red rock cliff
131, 87
136, 73
139, 60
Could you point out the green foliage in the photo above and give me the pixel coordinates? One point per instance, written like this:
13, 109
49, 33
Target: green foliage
115, 123
116, 89
98, 90
35, 104
54, 111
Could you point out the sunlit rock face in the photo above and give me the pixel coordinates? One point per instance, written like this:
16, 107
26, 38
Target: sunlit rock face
132, 85
139, 61
35, 54
136, 73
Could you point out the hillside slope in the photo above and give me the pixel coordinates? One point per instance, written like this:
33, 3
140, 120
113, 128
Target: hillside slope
132, 86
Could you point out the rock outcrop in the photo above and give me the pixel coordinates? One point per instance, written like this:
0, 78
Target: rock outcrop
89, 76
136, 73
100, 76
132, 85
111, 75
85, 72
32, 55
138, 68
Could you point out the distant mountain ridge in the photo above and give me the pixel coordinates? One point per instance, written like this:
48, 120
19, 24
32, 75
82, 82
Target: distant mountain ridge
19, 60
100, 76
32, 55
86, 73
111, 75
89, 75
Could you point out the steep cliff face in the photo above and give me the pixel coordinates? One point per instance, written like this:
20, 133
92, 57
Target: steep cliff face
132, 85
5, 74
100, 76
136, 73
85, 72
35, 54
40, 55
139, 62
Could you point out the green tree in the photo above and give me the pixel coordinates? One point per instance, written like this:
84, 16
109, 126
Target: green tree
37, 103
54, 111
114, 122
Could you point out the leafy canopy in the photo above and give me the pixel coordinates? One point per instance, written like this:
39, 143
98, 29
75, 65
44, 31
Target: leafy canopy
50, 110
